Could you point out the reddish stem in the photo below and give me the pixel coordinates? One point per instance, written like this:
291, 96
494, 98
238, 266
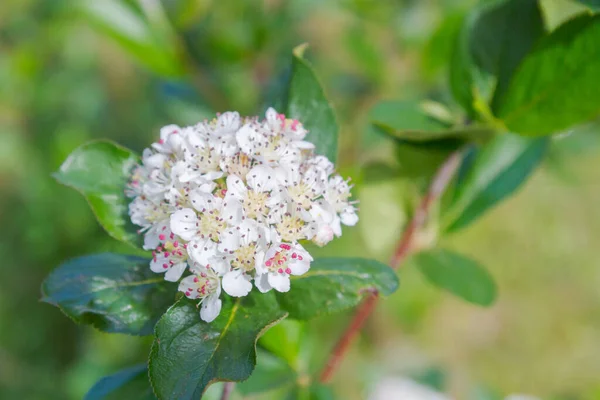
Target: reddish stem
227, 390
403, 249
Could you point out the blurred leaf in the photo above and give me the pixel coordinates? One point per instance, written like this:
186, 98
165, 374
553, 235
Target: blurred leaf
114, 293
100, 171
557, 84
270, 373
184, 13
593, 4
316, 391
129, 384
307, 103
335, 284
493, 40
410, 122
457, 274
499, 168
283, 340
190, 354
134, 35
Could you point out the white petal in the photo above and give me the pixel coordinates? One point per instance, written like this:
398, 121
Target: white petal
232, 210
261, 178
166, 131
174, 273
184, 223
236, 283
220, 264
262, 283
187, 284
230, 240
202, 201
279, 282
299, 267
211, 307
158, 263
349, 217
236, 187
151, 240
246, 138
201, 251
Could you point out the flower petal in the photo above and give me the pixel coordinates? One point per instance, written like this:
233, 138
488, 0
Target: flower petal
261, 282
236, 283
184, 223
174, 273
279, 282
211, 307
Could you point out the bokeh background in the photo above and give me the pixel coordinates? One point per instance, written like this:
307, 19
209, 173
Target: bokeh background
66, 77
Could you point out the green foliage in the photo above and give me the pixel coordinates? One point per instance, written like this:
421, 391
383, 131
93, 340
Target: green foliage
593, 4
417, 123
130, 383
189, 354
100, 170
495, 36
334, 284
498, 169
271, 372
112, 292
457, 274
306, 102
557, 85
135, 35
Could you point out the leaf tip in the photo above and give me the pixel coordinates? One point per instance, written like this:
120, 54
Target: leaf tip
300, 50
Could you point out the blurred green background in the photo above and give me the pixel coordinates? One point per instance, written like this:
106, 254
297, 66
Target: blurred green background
67, 75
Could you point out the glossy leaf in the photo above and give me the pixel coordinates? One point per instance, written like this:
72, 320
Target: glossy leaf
129, 384
499, 168
133, 33
457, 274
113, 292
306, 102
335, 284
410, 122
100, 170
271, 372
557, 84
493, 40
284, 340
190, 354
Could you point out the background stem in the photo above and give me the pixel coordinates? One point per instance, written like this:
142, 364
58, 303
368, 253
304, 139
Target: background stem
405, 245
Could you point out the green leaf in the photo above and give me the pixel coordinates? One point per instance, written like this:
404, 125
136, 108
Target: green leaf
190, 354
283, 340
271, 372
557, 84
115, 293
593, 4
129, 384
306, 102
100, 170
500, 167
335, 284
457, 274
413, 122
133, 33
493, 40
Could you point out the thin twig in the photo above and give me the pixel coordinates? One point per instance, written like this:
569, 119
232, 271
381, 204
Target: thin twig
403, 249
227, 390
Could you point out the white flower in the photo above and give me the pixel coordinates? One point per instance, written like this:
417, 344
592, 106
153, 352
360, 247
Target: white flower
231, 198
204, 285
281, 261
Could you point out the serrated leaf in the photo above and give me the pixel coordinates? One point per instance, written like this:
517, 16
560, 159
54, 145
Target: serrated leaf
115, 293
335, 284
493, 40
190, 354
133, 33
409, 121
557, 84
457, 274
499, 168
306, 102
271, 372
129, 384
99, 171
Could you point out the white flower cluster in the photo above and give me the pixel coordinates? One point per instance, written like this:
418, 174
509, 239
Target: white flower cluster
230, 200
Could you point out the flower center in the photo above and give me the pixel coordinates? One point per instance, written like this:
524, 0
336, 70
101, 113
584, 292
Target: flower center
255, 204
291, 228
211, 225
205, 284
279, 262
171, 253
244, 258
204, 160
302, 195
